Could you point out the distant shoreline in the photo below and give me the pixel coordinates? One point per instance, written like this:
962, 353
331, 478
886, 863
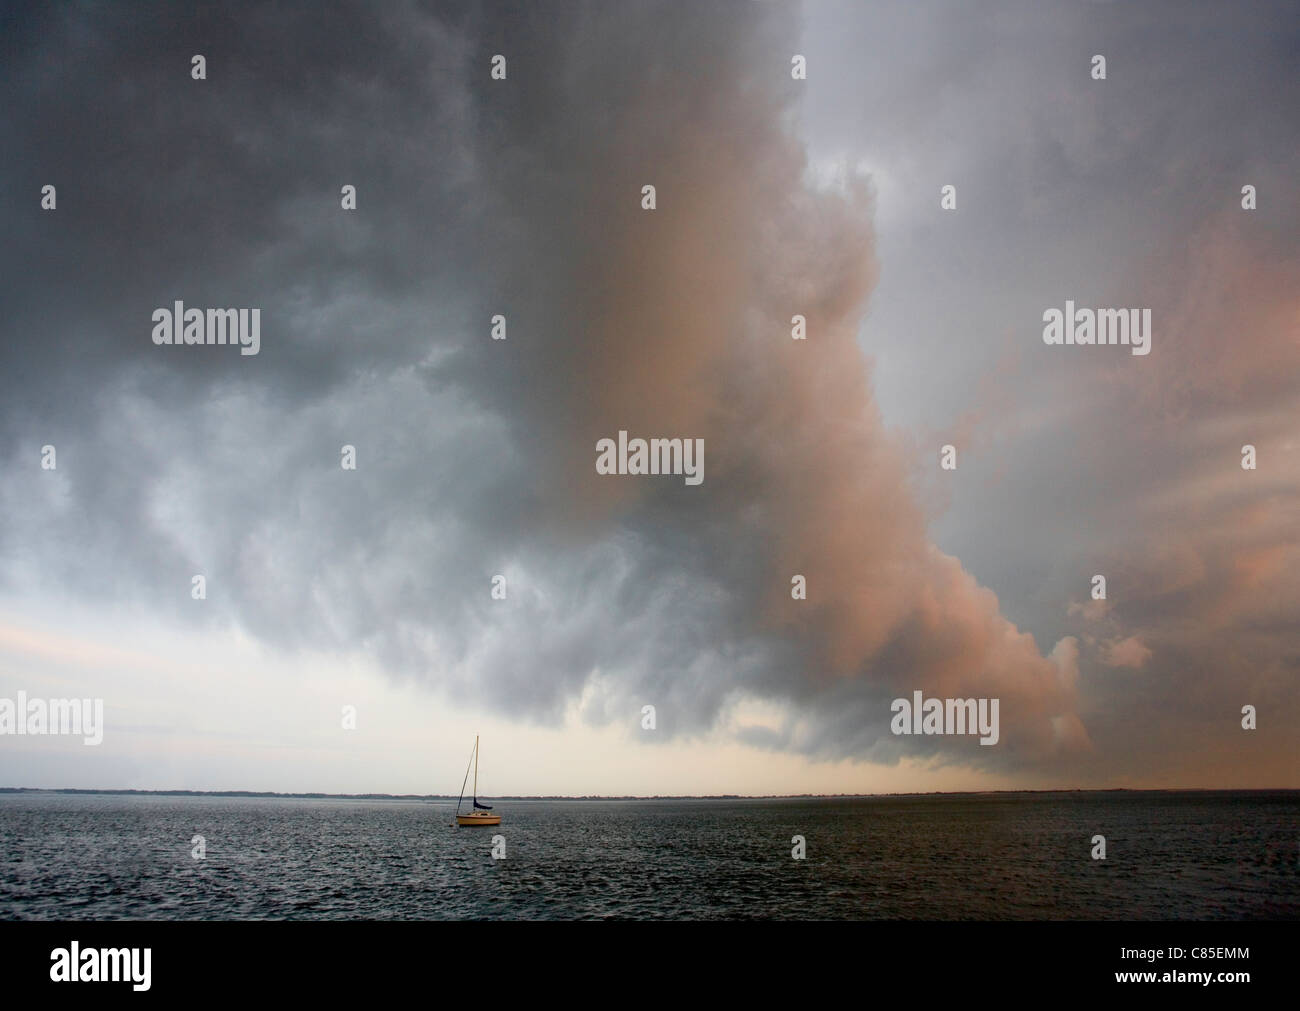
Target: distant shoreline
719, 796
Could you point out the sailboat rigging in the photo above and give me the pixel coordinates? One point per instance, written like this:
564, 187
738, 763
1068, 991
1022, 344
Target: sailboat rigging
478, 813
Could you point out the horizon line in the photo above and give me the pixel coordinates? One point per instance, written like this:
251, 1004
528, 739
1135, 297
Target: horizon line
316, 795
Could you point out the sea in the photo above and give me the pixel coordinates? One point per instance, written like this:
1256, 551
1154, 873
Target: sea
1000, 856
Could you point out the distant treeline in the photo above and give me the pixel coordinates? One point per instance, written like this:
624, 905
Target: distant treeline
443, 796
719, 796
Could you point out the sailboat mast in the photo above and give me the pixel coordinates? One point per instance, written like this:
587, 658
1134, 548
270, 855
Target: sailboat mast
475, 768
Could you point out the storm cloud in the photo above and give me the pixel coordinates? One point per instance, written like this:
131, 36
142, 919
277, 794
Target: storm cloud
522, 198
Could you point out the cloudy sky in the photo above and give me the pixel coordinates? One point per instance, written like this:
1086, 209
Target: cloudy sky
475, 457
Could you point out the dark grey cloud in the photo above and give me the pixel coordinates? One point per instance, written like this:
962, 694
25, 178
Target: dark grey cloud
522, 197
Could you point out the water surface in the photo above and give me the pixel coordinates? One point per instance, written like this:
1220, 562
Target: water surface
1197, 855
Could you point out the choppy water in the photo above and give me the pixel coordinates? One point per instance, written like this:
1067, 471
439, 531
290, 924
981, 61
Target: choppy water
1008, 856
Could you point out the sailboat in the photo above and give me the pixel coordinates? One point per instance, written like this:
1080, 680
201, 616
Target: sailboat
480, 814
